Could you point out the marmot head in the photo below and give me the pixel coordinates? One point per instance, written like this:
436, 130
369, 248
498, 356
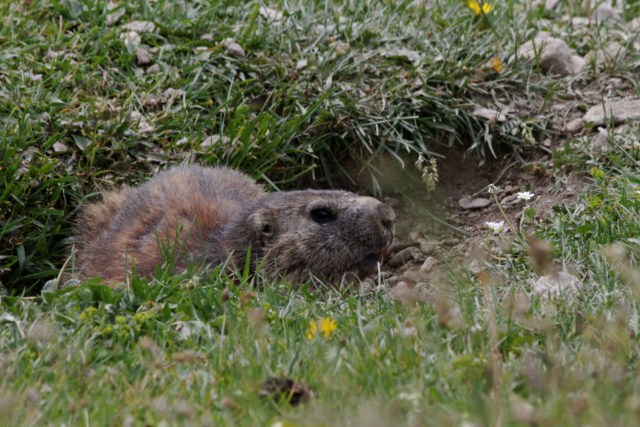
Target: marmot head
327, 234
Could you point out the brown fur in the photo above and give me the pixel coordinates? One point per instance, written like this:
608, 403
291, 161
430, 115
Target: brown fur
212, 214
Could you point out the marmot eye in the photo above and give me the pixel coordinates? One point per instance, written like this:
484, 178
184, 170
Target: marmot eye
322, 215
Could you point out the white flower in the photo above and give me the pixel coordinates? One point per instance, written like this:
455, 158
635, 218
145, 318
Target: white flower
525, 195
495, 226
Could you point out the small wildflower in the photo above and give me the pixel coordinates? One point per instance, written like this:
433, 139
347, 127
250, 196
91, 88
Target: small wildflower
311, 332
495, 226
496, 64
525, 195
479, 7
327, 326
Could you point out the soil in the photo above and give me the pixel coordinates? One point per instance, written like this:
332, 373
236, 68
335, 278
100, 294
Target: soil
434, 225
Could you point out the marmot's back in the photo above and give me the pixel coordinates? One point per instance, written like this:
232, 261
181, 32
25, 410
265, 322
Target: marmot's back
179, 207
213, 214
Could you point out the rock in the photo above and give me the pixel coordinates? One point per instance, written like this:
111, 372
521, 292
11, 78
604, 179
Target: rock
140, 27
606, 13
402, 257
489, 114
114, 13
153, 69
414, 235
131, 40
509, 199
233, 48
393, 280
610, 54
613, 111
574, 126
428, 264
59, 147
477, 203
556, 285
143, 57
400, 245
555, 56
427, 248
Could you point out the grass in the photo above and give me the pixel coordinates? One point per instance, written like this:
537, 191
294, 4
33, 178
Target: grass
319, 97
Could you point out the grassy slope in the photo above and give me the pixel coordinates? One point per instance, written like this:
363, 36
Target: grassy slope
185, 351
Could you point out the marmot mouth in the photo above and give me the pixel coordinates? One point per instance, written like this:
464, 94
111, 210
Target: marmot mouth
369, 264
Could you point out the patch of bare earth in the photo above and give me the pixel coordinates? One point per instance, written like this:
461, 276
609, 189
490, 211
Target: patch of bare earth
435, 231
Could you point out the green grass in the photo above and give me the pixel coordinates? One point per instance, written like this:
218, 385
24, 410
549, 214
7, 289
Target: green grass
382, 80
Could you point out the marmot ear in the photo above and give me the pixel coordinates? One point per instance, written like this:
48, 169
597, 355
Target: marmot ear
262, 223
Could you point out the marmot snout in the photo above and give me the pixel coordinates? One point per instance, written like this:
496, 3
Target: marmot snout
213, 214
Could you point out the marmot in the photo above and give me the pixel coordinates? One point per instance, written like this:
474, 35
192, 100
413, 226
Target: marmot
216, 214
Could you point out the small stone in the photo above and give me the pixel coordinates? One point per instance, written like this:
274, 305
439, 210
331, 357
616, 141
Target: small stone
114, 13
59, 147
555, 56
612, 53
414, 235
573, 126
428, 264
477, 203
613, 111
556, 285
301, 64
233, 48
400, 245
402, 257
153, 69
606, 13
634, 24
143, 57
140, 27
426, 247
393, 280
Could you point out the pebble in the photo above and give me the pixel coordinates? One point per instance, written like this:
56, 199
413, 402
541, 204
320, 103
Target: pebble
428, 264
555, 56
233, 48
606, 13
426, 247
477, 203
557, 284
143, 57
140, 27
59, 147
611, 54
616, 111
402, 257
400, 245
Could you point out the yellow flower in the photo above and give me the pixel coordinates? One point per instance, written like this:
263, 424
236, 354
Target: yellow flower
479, 7
327, 326
496, 64
311, 332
